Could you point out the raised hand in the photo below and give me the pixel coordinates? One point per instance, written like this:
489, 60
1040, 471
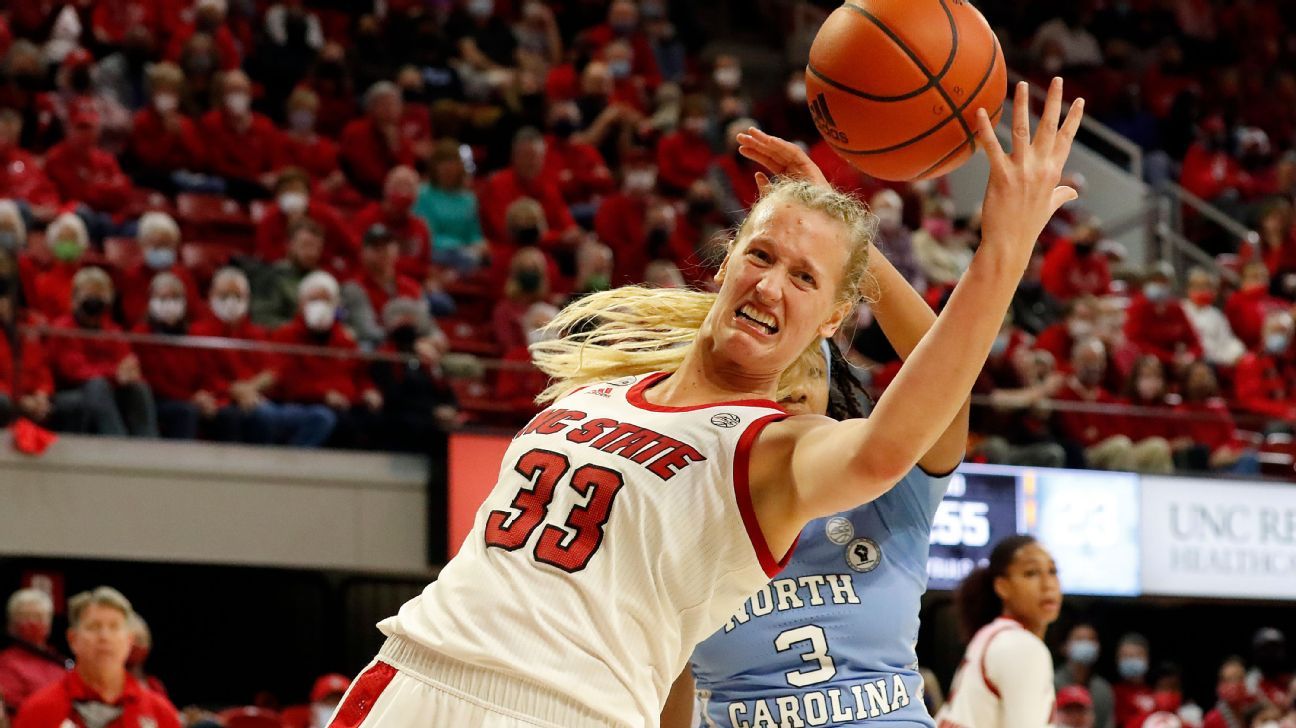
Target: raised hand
780, 157
1024, 191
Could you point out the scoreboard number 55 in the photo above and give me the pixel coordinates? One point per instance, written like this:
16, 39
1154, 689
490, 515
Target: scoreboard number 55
961, 523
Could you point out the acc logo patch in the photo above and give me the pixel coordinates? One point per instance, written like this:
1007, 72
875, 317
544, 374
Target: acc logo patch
863, 555
725, 419
622, 382
839, 530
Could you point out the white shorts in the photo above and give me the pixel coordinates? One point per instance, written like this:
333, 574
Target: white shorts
410, 686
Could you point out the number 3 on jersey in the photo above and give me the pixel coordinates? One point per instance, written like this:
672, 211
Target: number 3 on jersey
818, 653
542, 470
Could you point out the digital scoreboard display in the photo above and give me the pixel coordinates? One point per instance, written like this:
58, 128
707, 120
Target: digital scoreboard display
979, 509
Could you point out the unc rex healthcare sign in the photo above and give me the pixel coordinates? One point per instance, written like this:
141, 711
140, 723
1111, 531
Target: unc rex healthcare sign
1216, 538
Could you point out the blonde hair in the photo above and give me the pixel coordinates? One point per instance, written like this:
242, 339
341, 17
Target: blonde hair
634, 330
103, 596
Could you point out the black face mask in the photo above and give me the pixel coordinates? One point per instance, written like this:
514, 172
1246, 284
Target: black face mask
6, 285
29, 82
657, 238
403, 337
529, 280
80, 80
527, 235
92, 308
564, 128
698, 208
413, 95
1084, 250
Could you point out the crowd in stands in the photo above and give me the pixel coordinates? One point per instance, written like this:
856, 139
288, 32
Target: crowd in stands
350, 202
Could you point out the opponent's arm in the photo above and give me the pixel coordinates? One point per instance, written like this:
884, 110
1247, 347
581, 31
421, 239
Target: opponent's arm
835, 466
901, 312
678, 711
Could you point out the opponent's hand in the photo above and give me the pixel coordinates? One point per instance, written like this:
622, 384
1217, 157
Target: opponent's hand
1024, 191
780, 157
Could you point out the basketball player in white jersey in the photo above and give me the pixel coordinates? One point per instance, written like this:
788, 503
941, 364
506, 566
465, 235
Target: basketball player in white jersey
663, 486
1006, 677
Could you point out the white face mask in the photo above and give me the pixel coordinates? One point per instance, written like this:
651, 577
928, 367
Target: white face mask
320, 714
319, 315
796, 91
728, 77
889, 218
166, 103
229, 308
238, 102
293, 203
640, 180
167, 310
539, 336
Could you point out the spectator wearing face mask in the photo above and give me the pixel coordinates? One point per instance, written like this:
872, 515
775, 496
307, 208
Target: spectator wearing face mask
1272, 673
685, 155
99, 684
163, 139
325, 695
785, 113
733, 175
83, 172
623, 24
29, 663
209, 21
274, 288
243, 147
622, 222
293, 203
176, 373
407, 230
1075, 267
1219, 345
447, 204
1133, 695
1074, 708
418, 404
50, 291
21, 176
373, 145
159, 240
525, 177
519, 383
486, 42
79, 89
1145, 388
305, 148
1264, 382
99, 381
1101, 431
593, 270
1234, 696
1248, 306
1081, 651
26, 385
528, 284
1208, 423
376, 282
1157, 325
241, 377
895, 238
309, 379
1080, 322
577, 165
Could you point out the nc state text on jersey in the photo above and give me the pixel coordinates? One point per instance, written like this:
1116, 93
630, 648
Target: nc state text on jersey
661, 455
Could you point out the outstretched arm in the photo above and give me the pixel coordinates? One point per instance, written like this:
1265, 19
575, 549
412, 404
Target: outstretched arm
901, 312
835, 466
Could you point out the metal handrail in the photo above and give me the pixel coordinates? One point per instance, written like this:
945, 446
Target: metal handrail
1216, 215
1131, 150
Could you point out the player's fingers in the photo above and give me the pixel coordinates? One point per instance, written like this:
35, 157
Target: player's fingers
761, 157
1046, 132
762, 182
1066, 135
1021, 120
988, 140
1062, 195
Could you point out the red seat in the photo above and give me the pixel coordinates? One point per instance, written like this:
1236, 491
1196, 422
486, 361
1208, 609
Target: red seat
470, 338
203, 259
249, 717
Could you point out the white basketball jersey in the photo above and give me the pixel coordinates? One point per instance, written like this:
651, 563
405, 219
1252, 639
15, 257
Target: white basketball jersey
618, 536
1004, 681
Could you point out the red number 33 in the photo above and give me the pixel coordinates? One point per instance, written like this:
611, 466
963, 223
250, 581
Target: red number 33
583, 530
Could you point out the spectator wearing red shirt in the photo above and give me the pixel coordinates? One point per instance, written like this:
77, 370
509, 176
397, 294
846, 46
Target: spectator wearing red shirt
101, 641
111, 20
342, 384
519, 382
307, 149
240, 378
330, 79
99, 379
163, 140
83, 172
685, 155
623, 24
1235, 697
525, 178
29, 663
159, 240
1134, 697
1264, 382
1247, 307
1210, 170
21, 176
50, 291
621, 223
1206, 420
294, 203
528, 284
176, 373
395, 213
628, 88
373, 145
377, 282
1157, 325
579, 168
1277, 244
416, 115
1074, 268
209, 20
1100, 430
26, 384
1271, 673
243, 146
1080, 323
733, 175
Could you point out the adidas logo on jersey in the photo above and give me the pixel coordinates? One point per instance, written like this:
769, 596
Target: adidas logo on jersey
823, 119
602, 392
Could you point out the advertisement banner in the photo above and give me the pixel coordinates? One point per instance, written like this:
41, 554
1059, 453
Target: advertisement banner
1214, 538
1089, 521
979, 509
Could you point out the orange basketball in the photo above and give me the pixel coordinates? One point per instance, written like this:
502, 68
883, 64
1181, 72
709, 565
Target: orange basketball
894, 85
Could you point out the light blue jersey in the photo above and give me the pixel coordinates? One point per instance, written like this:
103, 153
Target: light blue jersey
831, 640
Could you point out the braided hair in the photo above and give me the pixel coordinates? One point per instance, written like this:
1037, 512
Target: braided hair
847, 398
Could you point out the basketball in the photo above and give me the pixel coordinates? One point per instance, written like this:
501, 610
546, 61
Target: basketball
894, 85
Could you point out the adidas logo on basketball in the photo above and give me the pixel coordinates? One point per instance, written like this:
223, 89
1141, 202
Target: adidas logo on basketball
824, 120
604, 392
